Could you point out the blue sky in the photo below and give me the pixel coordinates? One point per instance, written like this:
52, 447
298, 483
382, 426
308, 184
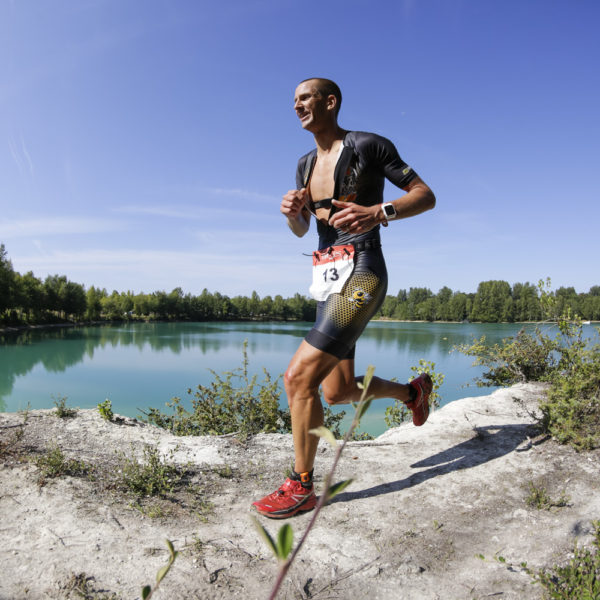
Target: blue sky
146, 145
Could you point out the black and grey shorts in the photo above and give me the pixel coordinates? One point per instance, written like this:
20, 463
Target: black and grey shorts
342, 318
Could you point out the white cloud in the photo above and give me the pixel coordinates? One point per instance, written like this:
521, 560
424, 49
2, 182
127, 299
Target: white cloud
240, 193
229, 270
48, 226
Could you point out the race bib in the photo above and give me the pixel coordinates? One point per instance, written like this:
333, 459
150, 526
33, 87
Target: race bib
331, 269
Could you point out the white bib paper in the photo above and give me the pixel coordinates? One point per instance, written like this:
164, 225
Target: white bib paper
331, 269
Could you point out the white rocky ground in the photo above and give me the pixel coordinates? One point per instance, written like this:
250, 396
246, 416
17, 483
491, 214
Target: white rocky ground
425, 503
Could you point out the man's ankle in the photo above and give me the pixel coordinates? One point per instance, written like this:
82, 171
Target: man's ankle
305, 478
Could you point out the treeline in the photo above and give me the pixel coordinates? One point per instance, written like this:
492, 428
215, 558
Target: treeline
25, 299
494, 302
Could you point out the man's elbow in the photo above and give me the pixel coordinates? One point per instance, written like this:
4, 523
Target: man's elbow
430, 200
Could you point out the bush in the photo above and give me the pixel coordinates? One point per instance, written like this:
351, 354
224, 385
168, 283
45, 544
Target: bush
233, 404
571, 410
580, 579
153, 476
53, 463
526, 357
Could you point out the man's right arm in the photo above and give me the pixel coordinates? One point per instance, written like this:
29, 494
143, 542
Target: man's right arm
293, 206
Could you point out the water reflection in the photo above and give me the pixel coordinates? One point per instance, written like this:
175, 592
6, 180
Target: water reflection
147, 364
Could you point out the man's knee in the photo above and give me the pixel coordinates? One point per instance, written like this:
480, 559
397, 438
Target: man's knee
295, 381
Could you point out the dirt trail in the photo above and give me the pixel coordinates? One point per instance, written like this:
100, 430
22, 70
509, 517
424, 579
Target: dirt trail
426, 503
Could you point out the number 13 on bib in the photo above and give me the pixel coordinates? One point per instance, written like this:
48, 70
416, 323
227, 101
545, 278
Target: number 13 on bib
331, 269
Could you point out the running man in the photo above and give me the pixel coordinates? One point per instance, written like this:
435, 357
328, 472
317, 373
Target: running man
340, 183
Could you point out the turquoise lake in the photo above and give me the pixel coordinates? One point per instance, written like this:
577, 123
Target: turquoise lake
138, 366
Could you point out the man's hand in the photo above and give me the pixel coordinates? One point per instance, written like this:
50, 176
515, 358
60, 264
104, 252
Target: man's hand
354, 218
293, 202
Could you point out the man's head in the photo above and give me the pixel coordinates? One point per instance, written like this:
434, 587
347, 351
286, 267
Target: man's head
317, 103
326, 88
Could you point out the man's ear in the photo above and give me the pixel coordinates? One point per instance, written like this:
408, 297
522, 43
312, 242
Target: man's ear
331, 102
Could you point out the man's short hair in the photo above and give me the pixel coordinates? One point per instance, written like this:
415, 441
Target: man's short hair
326, 87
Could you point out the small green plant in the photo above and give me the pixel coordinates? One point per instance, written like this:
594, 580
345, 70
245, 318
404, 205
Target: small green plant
361, 436
148, 590
53, 463
152, 476
397, 413
10, 446
580, 578
225, 471
62, 410
105, 410
83, 586
539, 498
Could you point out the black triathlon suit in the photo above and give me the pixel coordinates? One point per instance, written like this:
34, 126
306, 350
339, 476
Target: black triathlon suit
364, 164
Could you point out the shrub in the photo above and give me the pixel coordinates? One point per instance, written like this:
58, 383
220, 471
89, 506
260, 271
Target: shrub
152, 476
233, 403
570, 412
526, 357
62, 410
539, 498
580, 579
53, 463
105, 410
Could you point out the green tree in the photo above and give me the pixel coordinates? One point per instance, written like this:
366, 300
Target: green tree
389, 306
415, 297
489, 304
7, 277
73, 299
94, 303
279, 307
31, 295
526, 302
457, 307
443, 298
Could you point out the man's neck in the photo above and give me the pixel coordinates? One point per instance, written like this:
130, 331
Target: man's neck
327, 139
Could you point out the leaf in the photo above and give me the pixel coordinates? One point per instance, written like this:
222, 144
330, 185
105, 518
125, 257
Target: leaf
336, 488
146, 592
324, 433
285, 540
266, 536
363, 407
162, 572
368, 376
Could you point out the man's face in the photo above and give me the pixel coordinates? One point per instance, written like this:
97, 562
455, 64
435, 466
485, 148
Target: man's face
310, 105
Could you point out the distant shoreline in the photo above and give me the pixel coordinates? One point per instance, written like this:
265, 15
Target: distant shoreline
22, 328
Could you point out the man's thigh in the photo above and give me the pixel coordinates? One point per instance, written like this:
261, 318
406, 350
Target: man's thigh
309, 367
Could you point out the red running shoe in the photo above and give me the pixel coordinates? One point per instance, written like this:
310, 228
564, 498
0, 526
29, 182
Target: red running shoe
288, 500
420, 405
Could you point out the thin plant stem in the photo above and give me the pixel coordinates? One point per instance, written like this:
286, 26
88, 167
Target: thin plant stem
285, 566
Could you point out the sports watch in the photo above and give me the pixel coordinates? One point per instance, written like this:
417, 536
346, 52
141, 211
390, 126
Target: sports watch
389, 212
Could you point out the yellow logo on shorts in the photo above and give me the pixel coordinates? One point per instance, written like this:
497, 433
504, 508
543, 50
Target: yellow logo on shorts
360, 298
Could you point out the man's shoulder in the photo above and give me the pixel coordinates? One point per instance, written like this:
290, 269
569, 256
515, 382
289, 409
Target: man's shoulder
366, 139
304, 158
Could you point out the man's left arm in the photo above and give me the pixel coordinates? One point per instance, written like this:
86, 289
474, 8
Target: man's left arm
359, 219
